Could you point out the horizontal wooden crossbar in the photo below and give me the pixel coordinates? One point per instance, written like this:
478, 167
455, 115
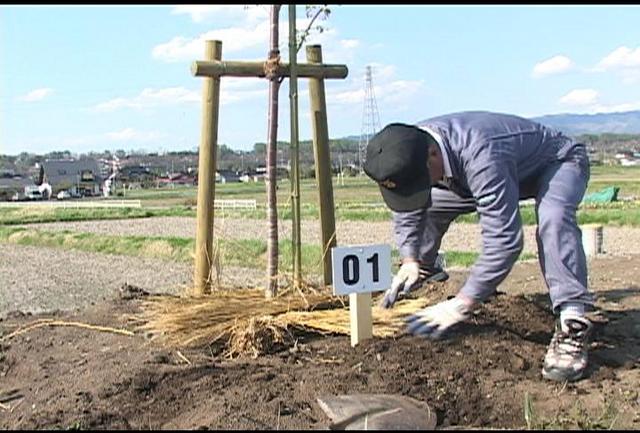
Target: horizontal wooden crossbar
201, 68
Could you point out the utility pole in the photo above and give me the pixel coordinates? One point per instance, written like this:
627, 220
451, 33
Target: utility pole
370, 118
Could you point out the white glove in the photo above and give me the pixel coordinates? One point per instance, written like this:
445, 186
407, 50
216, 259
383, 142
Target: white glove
406, 278
432, 321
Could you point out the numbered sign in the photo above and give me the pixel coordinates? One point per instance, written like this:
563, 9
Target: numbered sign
361, 269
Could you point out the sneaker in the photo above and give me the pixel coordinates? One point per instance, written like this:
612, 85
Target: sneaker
435, 273
429, 275
566, 358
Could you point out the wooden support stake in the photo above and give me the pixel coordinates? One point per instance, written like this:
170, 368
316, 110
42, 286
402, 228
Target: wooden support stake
212, 68
323, 161
207, 175
256, 69
361, 317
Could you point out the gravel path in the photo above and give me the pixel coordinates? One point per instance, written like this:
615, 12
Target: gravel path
349, 232
36, 279
461, 237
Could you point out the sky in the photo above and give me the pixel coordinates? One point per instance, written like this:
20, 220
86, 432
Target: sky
109, 77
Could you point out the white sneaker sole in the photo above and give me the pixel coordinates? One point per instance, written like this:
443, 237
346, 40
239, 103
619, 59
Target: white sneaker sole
560, 376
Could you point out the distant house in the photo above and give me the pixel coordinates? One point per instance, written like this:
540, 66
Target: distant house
77, 176
134, 173
227, 176
252, 177
282, 172
135, 176
176, 179
12, 187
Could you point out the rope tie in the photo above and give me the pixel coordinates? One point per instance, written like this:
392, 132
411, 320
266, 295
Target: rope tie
271, 66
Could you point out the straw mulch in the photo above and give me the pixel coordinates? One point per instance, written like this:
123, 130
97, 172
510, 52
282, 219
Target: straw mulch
250, 325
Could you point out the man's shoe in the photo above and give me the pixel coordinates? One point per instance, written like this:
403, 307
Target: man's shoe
432, 275
566, 358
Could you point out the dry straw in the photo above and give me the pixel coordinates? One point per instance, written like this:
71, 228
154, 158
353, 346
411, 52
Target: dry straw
249, 325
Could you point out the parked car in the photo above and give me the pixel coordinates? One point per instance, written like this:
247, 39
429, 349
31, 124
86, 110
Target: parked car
33, 193
63, 195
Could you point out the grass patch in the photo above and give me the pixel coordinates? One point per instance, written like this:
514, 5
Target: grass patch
358, 199
622, 213
618, 213
167, 248
248, 253
15, 216
577, 417
615, 214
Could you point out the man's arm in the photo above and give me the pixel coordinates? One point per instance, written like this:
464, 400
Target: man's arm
407, 230
494, 183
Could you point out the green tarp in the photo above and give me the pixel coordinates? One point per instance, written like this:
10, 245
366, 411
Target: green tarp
607, 195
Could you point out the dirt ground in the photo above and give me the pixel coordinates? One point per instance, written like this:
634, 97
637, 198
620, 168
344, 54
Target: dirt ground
68, 377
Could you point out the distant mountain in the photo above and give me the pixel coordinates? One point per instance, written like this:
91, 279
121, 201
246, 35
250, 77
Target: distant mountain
351, 138
627, 122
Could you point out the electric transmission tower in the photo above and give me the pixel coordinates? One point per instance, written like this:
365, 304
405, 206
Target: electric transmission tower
370, 118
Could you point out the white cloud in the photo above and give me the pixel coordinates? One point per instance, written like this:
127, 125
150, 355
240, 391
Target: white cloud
624, 61
400, 90
150, 98
200, 13
579, 98
130, 134
232, 90
250, 31
230, 97
238, 89
630, 76
614, 108
233, 39
178, 49
588, 101
350, 43
116, 104
389, 91
554, 65
36, 95
621, 57
383, 78
347, 96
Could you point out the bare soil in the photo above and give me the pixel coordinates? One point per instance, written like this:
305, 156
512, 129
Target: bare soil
70, 377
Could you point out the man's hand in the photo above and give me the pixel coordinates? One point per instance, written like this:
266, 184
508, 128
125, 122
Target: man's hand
433, 321
405, 280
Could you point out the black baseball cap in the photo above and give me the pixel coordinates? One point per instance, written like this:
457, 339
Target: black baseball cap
397, 160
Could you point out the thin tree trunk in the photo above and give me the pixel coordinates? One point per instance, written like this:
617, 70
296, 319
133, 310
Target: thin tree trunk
295, 151
271, 181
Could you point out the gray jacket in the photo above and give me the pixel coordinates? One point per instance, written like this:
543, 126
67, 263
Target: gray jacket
496, 159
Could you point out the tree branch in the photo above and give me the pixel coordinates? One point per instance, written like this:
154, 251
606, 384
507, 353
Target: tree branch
306, 32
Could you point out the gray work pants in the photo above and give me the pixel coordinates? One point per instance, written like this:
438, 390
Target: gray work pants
558, 191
